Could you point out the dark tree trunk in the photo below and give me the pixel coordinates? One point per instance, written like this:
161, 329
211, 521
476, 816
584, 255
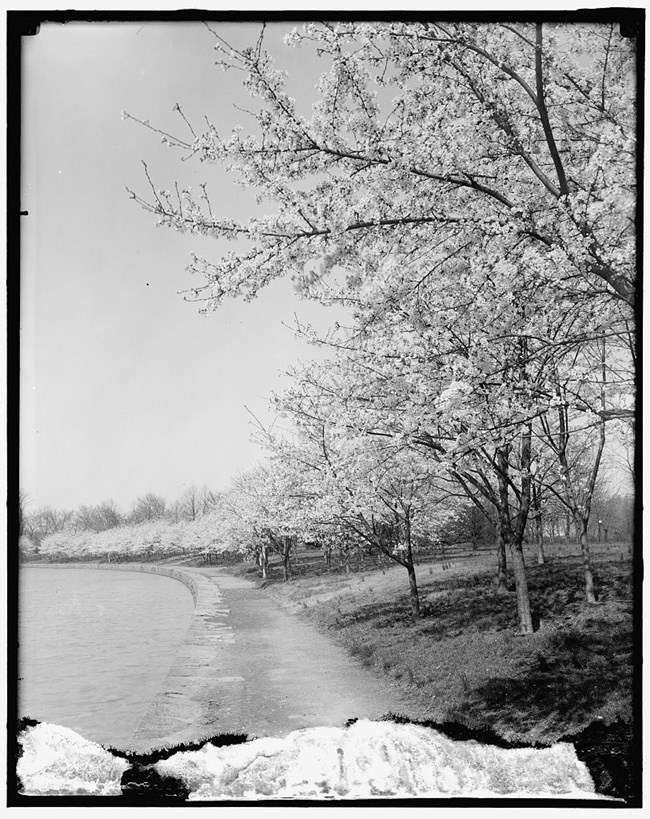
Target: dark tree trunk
590, 593
264, 562
290, 541
539, 529
541, 557
567, 529
514, 538
502, 565
521, 585
413, 586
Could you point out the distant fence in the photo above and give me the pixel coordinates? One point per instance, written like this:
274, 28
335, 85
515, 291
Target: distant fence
310, 559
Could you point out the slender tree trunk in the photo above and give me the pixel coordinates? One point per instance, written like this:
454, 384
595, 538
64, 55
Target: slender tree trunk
289, 542
539, 530
567, 531
521, 585
581, 525
541, 558
264, 562
515, 541
413, 586
502, 567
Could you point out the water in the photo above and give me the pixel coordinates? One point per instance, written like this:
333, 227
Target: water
95, 646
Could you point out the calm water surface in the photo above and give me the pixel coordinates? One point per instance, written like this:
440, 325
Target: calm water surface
95, 646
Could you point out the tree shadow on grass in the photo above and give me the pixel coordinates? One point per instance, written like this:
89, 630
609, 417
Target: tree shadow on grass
463, 613
377, 615
464, 605
574, 675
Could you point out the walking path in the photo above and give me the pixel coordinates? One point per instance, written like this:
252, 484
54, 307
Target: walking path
250, 667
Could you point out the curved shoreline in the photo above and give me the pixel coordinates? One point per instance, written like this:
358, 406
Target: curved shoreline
166, 571
177, 705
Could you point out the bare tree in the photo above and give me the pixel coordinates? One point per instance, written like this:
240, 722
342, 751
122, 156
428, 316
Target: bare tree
23, 503
191, 503
207, 500
108, 514
148, 507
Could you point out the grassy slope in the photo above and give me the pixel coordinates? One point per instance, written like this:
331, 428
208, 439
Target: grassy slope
464, 658
463, 661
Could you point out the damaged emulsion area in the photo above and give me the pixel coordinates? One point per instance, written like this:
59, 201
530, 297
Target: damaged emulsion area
370, 760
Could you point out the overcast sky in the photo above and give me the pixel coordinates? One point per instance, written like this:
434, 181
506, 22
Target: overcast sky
125, 389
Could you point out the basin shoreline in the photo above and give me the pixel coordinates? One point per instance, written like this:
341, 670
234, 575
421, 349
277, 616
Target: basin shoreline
197, 640
166, 571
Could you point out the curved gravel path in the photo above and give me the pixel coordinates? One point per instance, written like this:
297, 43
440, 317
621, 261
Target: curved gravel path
250, 667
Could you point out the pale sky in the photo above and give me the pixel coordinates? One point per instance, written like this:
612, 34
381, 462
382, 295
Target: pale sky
125, 389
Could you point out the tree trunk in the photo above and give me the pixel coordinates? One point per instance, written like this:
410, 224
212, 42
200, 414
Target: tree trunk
264, 560
567, 531
502, 567
286, 557
415, 597
590, 594
515, 538
539, 530
521, 585
541, 558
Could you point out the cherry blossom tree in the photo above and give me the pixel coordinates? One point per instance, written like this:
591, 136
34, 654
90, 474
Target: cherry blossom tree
156, 538
575, 432
265, 511
371, 489
424, 137
467, 192
26, 547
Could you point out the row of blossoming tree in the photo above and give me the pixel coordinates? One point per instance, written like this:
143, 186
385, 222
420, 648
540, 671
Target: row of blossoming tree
150, 539
466, 191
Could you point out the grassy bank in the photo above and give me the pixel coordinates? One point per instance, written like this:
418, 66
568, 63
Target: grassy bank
463, 661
